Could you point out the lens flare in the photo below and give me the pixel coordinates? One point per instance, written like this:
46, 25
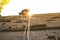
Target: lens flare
4, 2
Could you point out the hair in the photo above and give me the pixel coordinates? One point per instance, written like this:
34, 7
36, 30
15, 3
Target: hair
24, 11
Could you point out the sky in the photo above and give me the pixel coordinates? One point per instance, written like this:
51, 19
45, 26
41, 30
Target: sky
35, 6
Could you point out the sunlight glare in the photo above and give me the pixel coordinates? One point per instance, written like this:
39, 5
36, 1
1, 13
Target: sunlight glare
35, 6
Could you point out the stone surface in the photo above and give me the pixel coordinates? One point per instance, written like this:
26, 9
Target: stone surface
18, 22
51, 20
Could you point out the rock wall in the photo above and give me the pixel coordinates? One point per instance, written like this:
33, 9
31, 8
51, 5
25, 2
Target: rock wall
18, 22
50, 20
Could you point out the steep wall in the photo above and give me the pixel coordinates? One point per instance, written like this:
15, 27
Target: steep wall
17, 22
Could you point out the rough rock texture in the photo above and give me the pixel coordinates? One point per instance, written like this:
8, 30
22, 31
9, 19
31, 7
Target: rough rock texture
45, 21
50, 20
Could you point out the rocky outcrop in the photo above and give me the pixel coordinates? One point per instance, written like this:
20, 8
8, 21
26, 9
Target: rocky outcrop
50, 20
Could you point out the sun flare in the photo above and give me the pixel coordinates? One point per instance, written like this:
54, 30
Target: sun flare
35, 6
30, 14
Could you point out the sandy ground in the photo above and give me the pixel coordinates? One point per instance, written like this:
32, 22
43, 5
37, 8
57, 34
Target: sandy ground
34, 35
